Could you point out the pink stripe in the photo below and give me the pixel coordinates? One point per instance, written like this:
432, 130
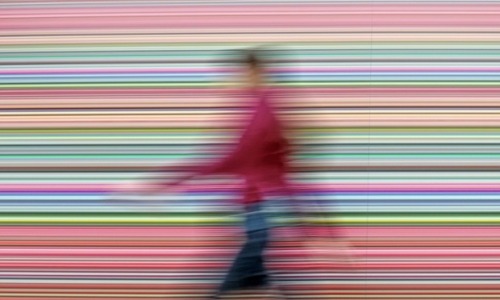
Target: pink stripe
261, 21
212, 252
139, 124
340, 91
76, 232
425, 187
159, 265
117, 252
219, 9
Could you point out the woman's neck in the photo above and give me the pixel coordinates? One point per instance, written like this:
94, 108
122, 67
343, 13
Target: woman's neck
255, 79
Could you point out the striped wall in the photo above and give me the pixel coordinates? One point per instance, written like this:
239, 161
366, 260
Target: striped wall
396, 113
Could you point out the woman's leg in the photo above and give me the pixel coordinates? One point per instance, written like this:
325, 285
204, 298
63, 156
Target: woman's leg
248, 269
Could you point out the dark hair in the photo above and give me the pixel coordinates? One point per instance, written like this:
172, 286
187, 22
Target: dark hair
251, 58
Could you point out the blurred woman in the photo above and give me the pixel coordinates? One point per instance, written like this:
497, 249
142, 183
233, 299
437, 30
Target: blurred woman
260, 159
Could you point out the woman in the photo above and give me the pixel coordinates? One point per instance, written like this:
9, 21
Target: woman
260, 159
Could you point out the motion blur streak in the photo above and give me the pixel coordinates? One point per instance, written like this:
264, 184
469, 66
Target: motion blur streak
396, 108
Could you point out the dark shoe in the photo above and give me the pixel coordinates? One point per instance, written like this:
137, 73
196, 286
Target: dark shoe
255, 281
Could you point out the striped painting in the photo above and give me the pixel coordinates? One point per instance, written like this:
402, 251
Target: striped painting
395, 107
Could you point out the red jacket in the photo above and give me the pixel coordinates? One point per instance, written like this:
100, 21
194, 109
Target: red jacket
260, 156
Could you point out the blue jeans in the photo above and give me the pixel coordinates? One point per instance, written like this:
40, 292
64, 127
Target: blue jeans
248, 268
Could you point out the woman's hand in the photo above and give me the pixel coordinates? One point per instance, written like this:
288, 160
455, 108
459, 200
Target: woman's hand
146, 187
134, 190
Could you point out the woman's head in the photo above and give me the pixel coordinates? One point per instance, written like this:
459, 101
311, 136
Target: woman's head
251, 59
253, 66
